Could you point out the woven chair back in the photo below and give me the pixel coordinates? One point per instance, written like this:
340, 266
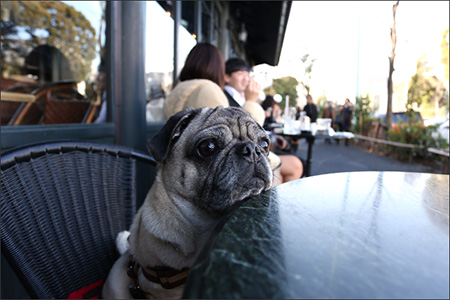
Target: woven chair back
62, 206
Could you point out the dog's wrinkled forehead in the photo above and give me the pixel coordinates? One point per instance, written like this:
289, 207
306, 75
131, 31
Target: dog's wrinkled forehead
240, 122
202, 123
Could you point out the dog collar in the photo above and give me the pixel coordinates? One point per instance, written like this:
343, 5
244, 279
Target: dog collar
168, 278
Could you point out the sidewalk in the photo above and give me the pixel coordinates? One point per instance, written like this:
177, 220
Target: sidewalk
333, 158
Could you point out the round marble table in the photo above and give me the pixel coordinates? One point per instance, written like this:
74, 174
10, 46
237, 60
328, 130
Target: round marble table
342, 235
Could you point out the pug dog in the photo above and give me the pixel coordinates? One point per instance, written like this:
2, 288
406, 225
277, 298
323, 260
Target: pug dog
208, 161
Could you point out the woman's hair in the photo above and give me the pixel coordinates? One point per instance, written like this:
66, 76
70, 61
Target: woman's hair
268, 102
204, 62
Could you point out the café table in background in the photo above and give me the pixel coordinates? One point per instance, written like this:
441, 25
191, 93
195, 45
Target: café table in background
341, 235
310, 138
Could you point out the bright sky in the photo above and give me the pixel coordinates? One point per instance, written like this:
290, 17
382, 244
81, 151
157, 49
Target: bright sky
328, 31
159, 40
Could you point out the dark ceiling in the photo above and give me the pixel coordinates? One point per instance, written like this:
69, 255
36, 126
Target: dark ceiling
265, 22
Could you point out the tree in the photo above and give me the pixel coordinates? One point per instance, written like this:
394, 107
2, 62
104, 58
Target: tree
425, 90
391, 70
362, 114
286, 86
308, 69
52, 23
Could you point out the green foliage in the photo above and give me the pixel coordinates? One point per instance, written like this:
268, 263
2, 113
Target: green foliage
46, 22
286, 86
425, 90
362, 115
415, 134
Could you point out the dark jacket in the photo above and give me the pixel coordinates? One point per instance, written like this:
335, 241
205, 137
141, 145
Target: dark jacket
231, 100
311, 111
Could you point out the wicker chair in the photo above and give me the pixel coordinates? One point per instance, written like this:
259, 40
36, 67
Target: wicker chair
62, 205
55, 103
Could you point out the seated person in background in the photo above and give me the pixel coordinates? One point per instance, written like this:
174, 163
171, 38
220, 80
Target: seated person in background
291, 166
241, 89
200, 84
273, 115
272, 111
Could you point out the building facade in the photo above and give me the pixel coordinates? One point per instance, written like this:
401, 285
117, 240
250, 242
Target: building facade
63, 61
81, 54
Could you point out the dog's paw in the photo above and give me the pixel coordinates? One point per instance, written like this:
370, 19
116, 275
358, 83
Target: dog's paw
122, 241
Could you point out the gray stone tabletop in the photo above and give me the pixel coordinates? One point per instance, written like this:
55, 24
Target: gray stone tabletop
342, 235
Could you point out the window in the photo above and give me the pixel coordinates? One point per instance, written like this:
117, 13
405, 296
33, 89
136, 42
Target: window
206, 21
159, 55
217, 26
51, 61
188, 15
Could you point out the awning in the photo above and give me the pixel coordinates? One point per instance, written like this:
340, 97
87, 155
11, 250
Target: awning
265, 22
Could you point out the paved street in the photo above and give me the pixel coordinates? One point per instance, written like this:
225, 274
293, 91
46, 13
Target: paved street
332, 158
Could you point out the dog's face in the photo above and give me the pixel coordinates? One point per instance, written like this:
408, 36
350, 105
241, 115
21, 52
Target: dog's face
212, 157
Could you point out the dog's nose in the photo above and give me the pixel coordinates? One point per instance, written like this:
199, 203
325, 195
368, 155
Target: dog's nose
249, 150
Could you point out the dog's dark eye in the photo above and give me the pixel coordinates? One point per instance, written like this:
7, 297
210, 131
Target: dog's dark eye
207, 148
265, 146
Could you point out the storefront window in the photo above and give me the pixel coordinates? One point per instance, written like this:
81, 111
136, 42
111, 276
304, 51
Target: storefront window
159, 56
51, 54
206, 21
217, 22
188, 15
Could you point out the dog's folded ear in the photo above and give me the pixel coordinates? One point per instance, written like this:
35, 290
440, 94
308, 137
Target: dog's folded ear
161, 143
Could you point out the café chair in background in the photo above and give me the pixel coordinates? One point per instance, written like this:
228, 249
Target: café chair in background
52, 103
62, 206
14, 100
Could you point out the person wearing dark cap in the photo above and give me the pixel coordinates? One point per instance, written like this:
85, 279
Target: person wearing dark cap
239, 86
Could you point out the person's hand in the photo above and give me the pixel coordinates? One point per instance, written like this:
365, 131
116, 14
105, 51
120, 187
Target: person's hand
252, 91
